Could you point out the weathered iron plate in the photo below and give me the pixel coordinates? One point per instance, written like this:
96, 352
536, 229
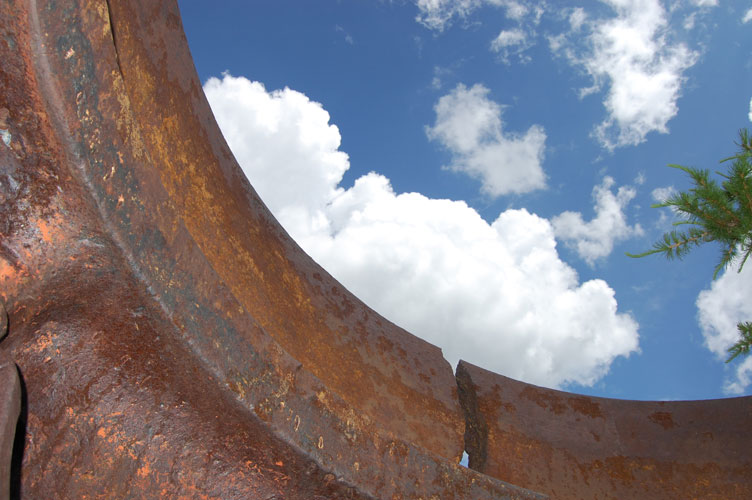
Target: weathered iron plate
572, 447
174, 342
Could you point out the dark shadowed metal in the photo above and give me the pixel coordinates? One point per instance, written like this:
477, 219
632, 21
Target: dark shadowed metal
173, 341
10, 409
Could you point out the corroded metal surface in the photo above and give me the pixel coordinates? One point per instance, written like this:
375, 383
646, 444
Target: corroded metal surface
10, 410
172, 340
573, 447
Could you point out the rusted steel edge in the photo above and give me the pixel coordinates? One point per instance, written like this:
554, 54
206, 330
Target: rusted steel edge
204, 205
73, 66
109, 101
10, 409
571, 447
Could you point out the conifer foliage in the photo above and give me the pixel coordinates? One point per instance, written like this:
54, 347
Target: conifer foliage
709, 212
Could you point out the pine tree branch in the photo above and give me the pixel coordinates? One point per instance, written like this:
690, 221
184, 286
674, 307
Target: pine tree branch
715, 212
675, 244
744, 344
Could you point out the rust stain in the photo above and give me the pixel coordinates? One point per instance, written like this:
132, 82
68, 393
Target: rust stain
586, 406
144, 470
617, 451
545, 399
662, 418
175, 343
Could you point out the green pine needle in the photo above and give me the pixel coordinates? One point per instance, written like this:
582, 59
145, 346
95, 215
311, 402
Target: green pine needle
715, 212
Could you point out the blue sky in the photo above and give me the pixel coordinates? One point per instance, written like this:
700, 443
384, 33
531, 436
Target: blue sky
475, 170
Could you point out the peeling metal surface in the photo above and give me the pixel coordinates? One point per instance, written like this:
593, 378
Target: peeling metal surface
571, 447
172, 341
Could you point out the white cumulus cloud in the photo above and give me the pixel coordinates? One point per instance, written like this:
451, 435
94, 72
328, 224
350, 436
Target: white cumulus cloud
494, 294
595, 239
720, 308
633, 56
747, 16
470, 126
261, 139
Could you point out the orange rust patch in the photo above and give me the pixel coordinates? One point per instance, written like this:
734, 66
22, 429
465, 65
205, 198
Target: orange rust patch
45, 230
50, 228
663, 419
7, 271
586, 406
509, 407
144, 470
43, 343
544, 399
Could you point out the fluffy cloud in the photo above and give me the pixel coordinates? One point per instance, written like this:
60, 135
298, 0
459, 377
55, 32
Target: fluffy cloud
595, 239
577, 18
661, 194
508, 38
494, 294
747, 16
511, 42
262, 139
743, 374
632, 54
720, 308
469, 125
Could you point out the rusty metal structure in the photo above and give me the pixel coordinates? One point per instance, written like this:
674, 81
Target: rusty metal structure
167, 339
